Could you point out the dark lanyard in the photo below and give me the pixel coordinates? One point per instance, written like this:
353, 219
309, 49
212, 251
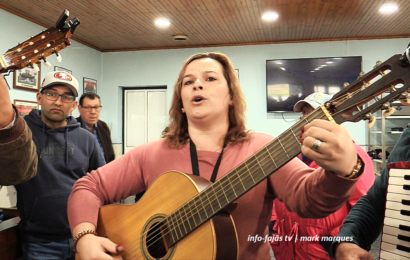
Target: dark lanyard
194, 161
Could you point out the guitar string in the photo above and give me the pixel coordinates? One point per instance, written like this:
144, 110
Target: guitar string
216, 199
251, 160
34, 39
215, 195
25, 44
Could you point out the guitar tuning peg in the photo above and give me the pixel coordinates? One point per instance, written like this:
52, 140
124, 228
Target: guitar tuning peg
361, 74
378, 63
35, 67
388, 112
47, 63
345, 84
405, 102
59, 57
371, 122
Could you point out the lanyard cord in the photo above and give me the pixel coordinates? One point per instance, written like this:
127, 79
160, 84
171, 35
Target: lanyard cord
194, 161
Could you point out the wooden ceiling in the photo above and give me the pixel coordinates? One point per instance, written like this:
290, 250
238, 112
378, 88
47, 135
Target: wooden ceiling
124, 25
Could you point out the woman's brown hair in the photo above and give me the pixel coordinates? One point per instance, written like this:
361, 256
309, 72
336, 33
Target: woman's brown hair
177, 130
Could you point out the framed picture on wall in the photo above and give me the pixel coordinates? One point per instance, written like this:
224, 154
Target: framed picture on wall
90, 85
57, 68
27, 79
24, 107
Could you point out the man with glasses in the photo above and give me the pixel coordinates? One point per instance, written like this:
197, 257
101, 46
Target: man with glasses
66, 152
90, 107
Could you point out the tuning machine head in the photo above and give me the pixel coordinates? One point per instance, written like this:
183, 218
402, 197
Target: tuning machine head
371, 120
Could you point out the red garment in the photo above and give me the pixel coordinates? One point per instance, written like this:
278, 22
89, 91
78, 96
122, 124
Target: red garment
288, 224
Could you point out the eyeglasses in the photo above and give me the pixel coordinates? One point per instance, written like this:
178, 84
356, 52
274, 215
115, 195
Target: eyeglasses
54, 96
88, 109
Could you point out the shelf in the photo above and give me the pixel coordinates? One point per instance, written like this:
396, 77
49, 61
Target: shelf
393, 132
375, 132
377, 160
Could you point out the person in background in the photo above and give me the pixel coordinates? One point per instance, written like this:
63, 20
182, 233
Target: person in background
207, 122
18, 158
66, 152
89, 108
288, 223
365, 221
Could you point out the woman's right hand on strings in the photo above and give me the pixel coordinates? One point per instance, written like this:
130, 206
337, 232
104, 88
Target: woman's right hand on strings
91, 247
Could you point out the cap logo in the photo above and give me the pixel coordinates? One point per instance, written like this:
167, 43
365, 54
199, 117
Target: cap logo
62, 76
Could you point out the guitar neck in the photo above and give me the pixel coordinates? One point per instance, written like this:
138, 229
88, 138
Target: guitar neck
239, 180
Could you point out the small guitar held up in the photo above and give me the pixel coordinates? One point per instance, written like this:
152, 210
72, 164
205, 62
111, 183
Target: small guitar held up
40, 46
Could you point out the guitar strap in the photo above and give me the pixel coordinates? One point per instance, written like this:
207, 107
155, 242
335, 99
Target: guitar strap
194, 161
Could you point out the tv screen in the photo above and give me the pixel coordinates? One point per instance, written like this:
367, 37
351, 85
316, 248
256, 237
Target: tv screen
290, 80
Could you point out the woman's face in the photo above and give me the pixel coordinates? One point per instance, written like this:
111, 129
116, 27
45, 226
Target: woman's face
205, 93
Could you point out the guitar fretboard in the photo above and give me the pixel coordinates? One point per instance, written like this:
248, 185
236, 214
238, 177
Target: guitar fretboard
238, 181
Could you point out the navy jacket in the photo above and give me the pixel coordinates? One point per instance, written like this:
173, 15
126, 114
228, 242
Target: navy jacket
64, 154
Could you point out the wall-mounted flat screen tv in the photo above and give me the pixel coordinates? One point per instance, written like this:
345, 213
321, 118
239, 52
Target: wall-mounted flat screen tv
290, 80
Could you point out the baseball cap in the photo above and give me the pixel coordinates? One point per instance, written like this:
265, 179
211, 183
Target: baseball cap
60, 78
315, 100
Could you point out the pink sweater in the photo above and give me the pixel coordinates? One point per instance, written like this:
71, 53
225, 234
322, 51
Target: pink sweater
308, 192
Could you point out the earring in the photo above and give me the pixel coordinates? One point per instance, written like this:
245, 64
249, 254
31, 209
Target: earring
182, 110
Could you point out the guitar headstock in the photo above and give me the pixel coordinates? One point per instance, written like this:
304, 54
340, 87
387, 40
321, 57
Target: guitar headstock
387, 82
37, 48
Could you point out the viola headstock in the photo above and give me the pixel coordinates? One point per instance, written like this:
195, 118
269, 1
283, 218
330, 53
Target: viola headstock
386, 82
40, 46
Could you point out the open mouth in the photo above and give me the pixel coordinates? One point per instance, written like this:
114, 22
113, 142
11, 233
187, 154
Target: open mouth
197, 99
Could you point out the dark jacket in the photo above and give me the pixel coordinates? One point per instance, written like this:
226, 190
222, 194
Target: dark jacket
18, 158
65, 155
104, 136
365, 221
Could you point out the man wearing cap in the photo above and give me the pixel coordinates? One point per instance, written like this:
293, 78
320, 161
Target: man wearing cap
18, 158
66, 152
314, 236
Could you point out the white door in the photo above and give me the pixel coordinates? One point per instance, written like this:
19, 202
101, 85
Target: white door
145, 116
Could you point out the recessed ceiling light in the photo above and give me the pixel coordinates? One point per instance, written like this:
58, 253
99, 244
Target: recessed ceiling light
162, 22
329, 62
270, 16
388, 8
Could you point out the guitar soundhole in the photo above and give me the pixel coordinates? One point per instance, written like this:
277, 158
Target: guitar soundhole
155, 242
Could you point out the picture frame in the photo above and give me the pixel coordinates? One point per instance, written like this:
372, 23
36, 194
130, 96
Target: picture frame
90, 85
27, 79
57, 68
24, 107
237, 73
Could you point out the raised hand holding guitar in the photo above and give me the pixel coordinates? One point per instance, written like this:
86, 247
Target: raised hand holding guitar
29, 53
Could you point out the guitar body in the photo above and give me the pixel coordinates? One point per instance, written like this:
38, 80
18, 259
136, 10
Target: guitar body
127, 224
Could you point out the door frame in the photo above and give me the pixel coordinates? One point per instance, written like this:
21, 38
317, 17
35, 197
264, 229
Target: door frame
123, 105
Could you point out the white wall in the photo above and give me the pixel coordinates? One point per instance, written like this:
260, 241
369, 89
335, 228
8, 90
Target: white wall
161, 67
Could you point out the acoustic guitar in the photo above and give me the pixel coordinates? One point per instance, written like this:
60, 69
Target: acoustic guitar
190, 219
28, 54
